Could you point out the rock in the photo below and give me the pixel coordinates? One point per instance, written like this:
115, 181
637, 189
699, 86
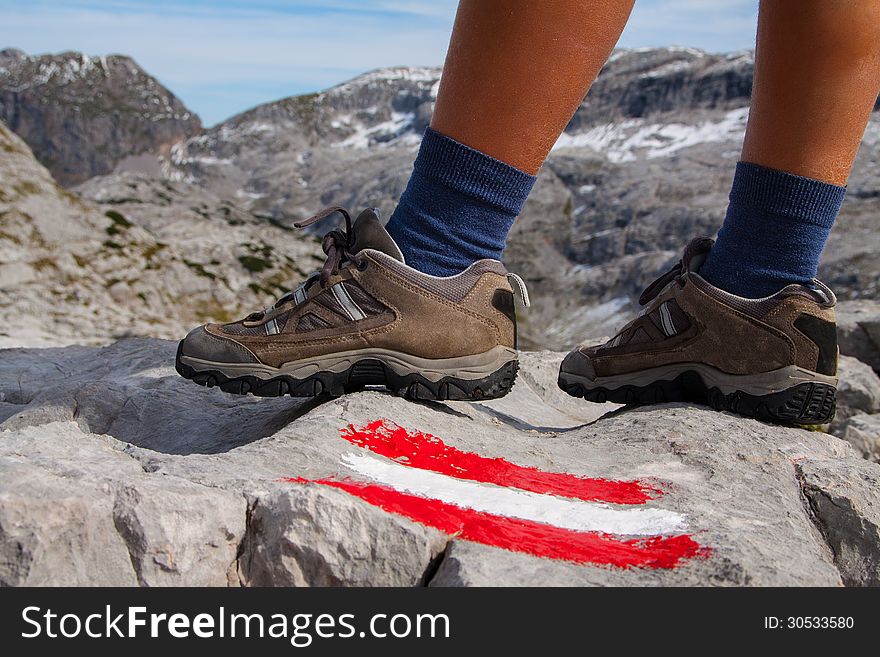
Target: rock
79, 512
117, 471
82, 116
180, 533
306, 536
121, 472
863, 433
858, 331
845, 498
157, 258
858, 392
55, 529
638, 83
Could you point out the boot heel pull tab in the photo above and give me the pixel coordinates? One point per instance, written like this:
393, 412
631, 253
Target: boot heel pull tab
519, 285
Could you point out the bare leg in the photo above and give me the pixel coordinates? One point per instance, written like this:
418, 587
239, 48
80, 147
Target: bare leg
516, 71
817, 74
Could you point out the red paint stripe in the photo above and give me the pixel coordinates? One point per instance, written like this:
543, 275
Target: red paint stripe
427, 452
523, 535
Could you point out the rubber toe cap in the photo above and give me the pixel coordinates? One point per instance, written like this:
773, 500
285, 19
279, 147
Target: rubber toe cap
578, 364
201, 344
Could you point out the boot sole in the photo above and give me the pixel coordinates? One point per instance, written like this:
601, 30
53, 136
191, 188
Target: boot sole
430, 385
810, 399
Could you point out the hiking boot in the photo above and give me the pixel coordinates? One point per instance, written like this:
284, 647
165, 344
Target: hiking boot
368, 319
773, 359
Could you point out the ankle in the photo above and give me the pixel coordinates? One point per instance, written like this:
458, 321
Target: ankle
458, 206
774, 232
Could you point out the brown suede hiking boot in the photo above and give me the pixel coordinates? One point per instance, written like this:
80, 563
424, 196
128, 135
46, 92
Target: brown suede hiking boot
773, 359
368, 319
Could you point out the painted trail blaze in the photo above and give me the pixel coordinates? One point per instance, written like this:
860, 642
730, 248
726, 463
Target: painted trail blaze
522, 509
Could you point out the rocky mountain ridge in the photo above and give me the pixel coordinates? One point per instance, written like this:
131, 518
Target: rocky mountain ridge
155, 259
86, 116
389, 109
644, 165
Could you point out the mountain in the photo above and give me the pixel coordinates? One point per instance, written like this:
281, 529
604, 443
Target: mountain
156, 258
644, 165
85, 116
372, 125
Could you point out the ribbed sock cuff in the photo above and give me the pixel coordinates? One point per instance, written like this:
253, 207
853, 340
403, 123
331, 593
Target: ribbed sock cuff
769, 191
468, 171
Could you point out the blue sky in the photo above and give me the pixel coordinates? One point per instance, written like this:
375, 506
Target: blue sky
224, 56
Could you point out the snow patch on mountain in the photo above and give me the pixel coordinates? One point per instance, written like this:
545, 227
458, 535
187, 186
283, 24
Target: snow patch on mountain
384, 132
625, 141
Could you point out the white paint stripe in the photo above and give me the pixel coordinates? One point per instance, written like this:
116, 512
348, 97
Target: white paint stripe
666, 320
272, 327
354, 311
548, 509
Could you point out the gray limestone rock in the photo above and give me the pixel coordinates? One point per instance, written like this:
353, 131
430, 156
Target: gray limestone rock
858, 392
863, 433
132, 475
845, 500
858, 330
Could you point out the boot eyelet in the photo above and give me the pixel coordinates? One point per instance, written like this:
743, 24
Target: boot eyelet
363, 264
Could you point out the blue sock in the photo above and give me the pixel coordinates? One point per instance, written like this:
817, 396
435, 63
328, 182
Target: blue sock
776, 226
457, 208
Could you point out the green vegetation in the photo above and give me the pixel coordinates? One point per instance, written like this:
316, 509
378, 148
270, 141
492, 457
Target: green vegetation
211, 311
119, 224
200, 270
262, 249
110, 244
9, 236
254, 264
260, 259
9, 147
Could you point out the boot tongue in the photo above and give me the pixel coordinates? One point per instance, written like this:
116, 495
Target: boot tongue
369, 233
691, 260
